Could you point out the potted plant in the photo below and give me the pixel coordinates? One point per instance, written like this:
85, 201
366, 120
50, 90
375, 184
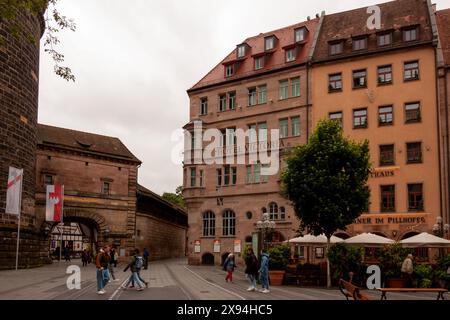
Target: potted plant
278, 262
441, 273
424, 275
344, 260
391, 260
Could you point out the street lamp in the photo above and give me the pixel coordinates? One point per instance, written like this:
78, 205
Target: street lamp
265, 226
439, 228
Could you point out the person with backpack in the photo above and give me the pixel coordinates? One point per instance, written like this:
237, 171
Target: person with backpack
251, 268
135, 265
229, 265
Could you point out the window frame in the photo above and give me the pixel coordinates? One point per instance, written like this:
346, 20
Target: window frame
385, 114
341, 119
243, 48
361, 126
231, 97
295, 125
419, 203
335, 82
204, 106
229, 70
391, 199
259, 63
228, 223
209, 224
222, 102
382, 36
383, 75
418, 119
412, 77
106, 188
193, 178
252, 96
283, 89
303, 32
290, 55
359, 86
359, 40
284, 130
419, 158
383, 160
407, 30
296, 87
262, 94
267, 40
339, 45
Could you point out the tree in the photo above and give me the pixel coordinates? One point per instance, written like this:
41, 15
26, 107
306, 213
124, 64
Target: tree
175, 198
54, 22
326, 181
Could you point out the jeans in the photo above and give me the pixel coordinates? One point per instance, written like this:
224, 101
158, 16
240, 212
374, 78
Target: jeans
111, 271
135, 279
252, 279
100, 281
264, 280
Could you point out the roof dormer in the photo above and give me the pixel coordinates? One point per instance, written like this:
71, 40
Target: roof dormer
270, 43
242, 50
300, 34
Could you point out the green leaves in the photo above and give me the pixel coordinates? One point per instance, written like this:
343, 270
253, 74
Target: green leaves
326, 180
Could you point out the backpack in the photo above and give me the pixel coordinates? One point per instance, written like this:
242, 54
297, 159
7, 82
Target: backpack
139, 262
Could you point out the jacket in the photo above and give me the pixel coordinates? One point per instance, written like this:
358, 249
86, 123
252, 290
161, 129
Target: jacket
264, 269
102, 260
229, 265
251, 264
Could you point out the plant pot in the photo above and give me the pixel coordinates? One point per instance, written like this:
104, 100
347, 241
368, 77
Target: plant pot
276, 277
395, 283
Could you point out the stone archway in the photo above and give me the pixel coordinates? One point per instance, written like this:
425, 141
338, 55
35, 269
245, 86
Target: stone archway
208, 259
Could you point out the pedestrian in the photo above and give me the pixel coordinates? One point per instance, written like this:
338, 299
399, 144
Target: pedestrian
229, 265
67, 253
134, 265
407, 270
101, 263
251, 269
146, 258
110, 263
264, 272
84, 257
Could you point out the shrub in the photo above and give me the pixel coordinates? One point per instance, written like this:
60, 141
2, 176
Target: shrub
279, 257
424, 275
391, 259
345, 259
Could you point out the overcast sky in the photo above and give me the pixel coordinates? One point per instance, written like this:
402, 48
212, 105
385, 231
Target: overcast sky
135, 59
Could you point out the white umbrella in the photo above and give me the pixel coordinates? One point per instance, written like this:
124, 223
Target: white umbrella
425, 240
368, 239
310, 239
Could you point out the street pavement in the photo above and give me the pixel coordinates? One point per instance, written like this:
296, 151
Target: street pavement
167, 280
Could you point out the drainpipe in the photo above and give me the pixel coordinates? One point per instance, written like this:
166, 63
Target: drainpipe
447, 142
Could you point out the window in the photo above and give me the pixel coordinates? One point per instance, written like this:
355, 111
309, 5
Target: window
273, 211
284, 131
335, 82
359, 44
290, 55
387, 198
229, 70
264, 177
204, 106
411, 34
385, 74
359, 79
295, 84
295, 126
336, 116
385, 115
106, 188
412, 112
209, 224
229, 223
231, 136
257, 173
414, 152
254, 174
336, 48
262, 132
222, 102
249, 175
241, 51
252, 137
219, 177
269, 43
202, 178
229, 175
360, 118
411, 71
193, 177
384, 39
232, 100
387, 155
252, 96
319, 252
233, 176
259, 63
262, 94
300, 34
282, 213
415, 197
284, 88
48, 179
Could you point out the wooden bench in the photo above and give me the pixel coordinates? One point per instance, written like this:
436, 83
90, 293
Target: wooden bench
440, 291
349, 290
306, 274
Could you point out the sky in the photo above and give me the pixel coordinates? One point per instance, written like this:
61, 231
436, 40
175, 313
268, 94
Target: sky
135, 59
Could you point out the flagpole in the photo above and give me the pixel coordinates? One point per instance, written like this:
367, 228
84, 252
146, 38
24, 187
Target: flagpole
18, 224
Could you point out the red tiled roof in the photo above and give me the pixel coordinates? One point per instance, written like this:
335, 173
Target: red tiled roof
83, 142
276, 60
443, 21
394, 15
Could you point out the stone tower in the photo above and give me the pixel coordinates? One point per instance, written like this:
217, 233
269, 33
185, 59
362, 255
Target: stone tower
19, 72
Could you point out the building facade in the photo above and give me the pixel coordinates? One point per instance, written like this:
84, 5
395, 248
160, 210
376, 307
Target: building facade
262, 85
381, 85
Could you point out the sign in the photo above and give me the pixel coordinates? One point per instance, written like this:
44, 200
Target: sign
386, 219
197, 247
383, 172
14, 191
54, 203
237, 246
216, 246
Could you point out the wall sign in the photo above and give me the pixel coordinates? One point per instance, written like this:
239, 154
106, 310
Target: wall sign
237, 246
197, 247
216, 246
386, 219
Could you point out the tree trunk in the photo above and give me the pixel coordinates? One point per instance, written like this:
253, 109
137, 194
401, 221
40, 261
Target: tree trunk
328, 264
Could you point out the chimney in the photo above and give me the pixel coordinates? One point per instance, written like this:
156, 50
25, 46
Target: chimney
317, 16
308, 18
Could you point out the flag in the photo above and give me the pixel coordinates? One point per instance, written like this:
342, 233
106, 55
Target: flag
54, 203
14, 191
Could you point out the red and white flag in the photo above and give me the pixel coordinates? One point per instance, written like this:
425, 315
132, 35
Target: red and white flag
54, 203
14, 191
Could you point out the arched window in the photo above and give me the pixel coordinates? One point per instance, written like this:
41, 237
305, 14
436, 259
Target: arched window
273, 211
209, 224
229, 223
282, 213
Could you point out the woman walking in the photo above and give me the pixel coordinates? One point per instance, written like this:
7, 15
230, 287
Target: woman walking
229, 266
251, 269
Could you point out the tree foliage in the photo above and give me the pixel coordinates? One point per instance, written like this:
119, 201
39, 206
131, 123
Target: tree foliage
326, 180
175, 198
54, 23
279, 257
346, 259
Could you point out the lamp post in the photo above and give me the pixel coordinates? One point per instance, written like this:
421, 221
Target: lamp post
264, 226
439, 228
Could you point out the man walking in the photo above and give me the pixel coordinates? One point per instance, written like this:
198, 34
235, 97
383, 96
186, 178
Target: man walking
251, 269
264, 272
